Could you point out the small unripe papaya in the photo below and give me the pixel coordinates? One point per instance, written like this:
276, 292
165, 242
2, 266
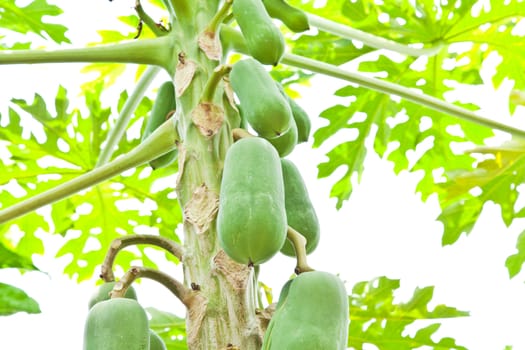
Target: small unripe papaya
262, 105
300, 212
285, 143
160, 112
301, 118
264, 40
313, 315
156, 342
117, 324
251, 222
292, 17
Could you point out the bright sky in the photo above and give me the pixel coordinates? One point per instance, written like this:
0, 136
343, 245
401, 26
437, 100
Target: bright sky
384, 229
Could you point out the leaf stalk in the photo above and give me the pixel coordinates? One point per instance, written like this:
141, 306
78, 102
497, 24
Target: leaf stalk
374, 41
299, 243
164, 139
118, 130
156, 51
183, 293
398, 90
120, 243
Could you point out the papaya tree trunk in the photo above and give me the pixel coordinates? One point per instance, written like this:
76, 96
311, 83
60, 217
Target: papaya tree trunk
224, 316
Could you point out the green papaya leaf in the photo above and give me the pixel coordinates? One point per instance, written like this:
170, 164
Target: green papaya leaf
171, 328
100, 214
376, 319
13, 300
11, 258
30, 19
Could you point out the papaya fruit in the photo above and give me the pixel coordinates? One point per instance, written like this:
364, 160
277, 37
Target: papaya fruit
300, 212
160, 112
264, 40
102, 293
301, 118
251, 222
313, 315
116, 324
285, 143
156, 342
292, 17
262, 105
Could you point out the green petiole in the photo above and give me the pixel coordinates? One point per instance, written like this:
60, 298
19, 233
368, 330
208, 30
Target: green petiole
164, 139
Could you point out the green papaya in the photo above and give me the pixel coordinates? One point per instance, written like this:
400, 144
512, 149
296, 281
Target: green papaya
102, 293
163, 105
300, 212
117, 324
292, 17
264, 40
285, 143
262, 105
251, 222
301, 118
313, 316
156, 342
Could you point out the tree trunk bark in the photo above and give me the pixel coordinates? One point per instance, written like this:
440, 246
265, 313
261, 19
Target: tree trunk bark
224, 315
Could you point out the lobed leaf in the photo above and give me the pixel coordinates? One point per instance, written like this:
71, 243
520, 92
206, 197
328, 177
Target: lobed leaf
29, 19
416, 138
171, 328
90, 220
376, 319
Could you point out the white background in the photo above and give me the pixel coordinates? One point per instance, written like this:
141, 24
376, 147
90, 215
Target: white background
384, 230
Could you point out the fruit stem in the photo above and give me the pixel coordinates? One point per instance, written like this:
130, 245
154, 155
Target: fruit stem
211, 85
219, 16
183, 293
122, 242
239, 133
374, 41
118, 130
164, 139
299, 243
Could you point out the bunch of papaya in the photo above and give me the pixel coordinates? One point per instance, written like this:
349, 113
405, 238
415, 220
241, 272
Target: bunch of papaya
251, 221
312, 314
264, 40
162, 110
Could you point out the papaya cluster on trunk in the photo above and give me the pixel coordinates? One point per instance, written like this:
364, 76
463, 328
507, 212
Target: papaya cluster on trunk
261, 194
